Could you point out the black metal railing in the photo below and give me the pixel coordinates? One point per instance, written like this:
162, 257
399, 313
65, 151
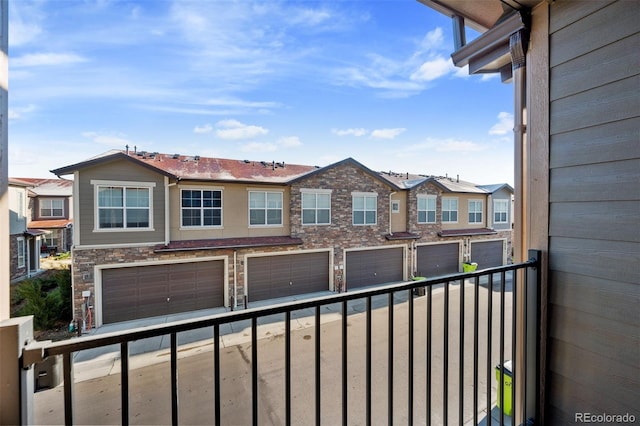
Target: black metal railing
469, 333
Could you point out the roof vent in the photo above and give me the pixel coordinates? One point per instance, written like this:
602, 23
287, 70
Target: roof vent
176, 156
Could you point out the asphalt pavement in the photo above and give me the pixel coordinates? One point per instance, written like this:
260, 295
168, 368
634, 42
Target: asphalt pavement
97, 371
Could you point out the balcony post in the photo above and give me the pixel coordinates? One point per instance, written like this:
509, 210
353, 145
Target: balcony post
16, 393
528, 338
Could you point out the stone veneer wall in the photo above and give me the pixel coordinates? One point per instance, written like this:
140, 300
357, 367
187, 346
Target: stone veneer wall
16, 272
85, 261
428, 231
341, 233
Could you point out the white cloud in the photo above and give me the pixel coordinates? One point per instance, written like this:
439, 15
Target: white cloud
349, 132
289, 141
458, 146
21, 33
433, 39
234, 102
310, 17
25, 22
207, 128
17, 113
402, 76
387, 133
46, 59
434, 69
442, 145
233, 129
503, 126
259, 147
116, 141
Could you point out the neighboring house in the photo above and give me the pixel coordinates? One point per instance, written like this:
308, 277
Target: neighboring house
24, 243
576, 73
157, 234
50, 210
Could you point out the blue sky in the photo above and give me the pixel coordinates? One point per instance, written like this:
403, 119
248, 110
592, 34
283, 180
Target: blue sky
303, 82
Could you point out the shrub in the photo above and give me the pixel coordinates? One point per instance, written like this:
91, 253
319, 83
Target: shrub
48, 299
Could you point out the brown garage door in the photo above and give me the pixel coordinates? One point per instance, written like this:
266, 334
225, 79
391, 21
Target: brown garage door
370, 267
487, 253
438, 259
145, 291
269, 277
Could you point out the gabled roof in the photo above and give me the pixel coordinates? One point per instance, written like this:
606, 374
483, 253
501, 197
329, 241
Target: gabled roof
404, 180
456, 185
46, 187
196, 168
496, 187
354, 163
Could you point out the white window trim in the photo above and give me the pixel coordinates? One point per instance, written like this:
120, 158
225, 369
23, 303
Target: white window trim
22, 253
395, 206
50, 199
127, 184
475, 200
198, 188
266, 225
435, 210
364, 194
314, 191
457, 210
495, 210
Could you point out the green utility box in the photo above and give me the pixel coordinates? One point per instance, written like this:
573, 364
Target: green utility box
508, 379
469, 266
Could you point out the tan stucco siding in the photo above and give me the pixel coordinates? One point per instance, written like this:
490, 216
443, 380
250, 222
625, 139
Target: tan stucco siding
118, 172
235, 212
463, 211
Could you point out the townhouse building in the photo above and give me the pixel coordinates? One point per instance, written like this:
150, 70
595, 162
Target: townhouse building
41, 222
156, 233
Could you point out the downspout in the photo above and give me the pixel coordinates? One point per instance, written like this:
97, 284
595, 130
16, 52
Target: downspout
235, 280
518, 43
390, 209
167, 210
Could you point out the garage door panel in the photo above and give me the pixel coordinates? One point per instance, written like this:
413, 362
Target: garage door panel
153, 290
276, 276
438, 259
371, 267
487, 254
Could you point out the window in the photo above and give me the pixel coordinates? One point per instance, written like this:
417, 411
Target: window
21, 205
50, 239
364, 209
51, 207
265, 208
201, 207
450, 210
475, 211
395, 206
316, 207
426, 209
500, 211
21, 252
123, 206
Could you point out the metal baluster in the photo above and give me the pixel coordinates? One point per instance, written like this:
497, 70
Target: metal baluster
124, 382
344, 363
174, 378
